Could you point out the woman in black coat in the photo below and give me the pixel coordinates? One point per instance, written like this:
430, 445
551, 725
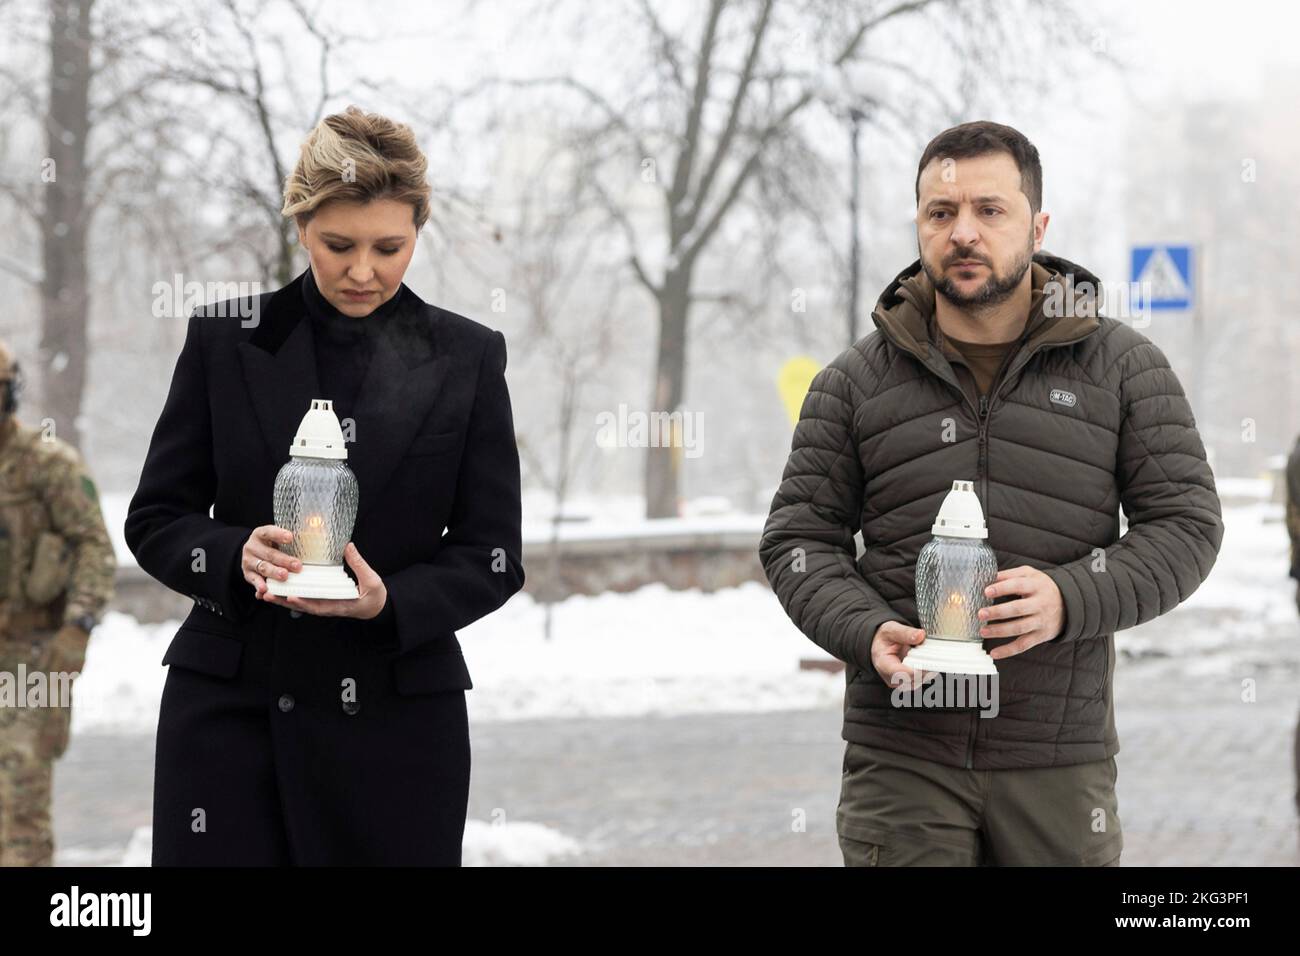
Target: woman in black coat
297, 731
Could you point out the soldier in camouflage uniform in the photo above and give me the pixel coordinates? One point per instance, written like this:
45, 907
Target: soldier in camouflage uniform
56, 575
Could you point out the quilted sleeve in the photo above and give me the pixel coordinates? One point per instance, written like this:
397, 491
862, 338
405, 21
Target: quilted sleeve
807, 548
1175, 525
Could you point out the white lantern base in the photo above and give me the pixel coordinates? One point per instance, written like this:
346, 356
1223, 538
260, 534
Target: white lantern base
950, 657
328, 581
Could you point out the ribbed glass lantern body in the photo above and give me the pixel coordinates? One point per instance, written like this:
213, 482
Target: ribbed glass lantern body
951, 575
316, 499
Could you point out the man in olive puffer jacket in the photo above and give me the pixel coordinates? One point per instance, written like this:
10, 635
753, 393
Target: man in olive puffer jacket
990, 362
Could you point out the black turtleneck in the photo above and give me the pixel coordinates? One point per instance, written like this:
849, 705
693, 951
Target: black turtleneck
344, 344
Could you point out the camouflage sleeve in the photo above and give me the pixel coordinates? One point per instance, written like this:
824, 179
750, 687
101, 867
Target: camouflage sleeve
73, 505
1293, 508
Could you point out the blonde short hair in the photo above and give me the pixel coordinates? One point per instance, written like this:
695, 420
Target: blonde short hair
355, 156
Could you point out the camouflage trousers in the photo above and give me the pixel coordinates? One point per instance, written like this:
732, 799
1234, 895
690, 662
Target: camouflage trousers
31, 739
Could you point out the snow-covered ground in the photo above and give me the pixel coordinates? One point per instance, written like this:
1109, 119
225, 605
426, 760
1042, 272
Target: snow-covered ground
656, 651
660, 652
653, 651
1249, 583
499, 843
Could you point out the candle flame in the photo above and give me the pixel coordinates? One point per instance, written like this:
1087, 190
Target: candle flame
315, 521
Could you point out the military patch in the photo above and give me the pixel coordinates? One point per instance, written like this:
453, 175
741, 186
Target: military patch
88, 487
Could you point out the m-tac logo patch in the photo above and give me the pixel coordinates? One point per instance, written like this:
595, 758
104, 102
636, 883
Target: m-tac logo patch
1061, 397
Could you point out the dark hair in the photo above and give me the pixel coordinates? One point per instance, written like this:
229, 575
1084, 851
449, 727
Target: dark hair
979, 139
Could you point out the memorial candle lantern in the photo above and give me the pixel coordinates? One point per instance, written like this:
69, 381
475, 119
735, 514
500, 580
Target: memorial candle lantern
316, 498
952, 571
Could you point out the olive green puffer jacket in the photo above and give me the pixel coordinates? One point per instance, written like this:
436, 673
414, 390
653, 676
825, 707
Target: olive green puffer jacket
1085, 418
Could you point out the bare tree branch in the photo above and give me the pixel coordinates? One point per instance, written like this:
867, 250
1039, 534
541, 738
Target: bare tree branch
694, 119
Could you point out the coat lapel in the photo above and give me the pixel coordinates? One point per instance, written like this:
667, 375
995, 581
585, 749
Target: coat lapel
403, 379
279, 362
404, 376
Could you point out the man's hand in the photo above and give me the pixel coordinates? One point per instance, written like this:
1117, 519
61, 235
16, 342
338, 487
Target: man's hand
888, 648
372, 593
68, 649
1034, 619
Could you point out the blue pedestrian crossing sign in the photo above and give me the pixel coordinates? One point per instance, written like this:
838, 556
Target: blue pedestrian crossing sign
1163, 276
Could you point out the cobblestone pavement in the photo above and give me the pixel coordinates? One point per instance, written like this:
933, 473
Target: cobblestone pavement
1205, 777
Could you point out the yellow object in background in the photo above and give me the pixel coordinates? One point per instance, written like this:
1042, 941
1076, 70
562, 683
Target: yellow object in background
793, 380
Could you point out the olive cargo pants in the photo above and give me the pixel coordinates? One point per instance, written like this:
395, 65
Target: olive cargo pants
898, 810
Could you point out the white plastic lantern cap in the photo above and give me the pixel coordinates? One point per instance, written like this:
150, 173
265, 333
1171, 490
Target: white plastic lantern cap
960, 515
319, 433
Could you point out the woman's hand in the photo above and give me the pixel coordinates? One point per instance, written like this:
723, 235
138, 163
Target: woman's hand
373, 594
262, 558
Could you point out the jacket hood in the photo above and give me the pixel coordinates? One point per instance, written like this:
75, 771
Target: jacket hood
904, 312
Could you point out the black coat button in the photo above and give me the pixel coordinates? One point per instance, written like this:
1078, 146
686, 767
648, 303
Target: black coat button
351, 707
286, 703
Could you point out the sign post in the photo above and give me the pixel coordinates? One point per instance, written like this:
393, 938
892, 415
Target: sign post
1168, 279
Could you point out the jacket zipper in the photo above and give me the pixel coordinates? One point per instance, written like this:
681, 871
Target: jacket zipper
982, 472
982, 418
986, 404
983, 469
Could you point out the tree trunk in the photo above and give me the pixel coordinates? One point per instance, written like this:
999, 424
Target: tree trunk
661, 475
64, 226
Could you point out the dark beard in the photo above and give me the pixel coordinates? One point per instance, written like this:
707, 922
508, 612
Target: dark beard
994, 290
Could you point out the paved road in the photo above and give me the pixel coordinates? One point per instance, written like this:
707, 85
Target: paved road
1205, 777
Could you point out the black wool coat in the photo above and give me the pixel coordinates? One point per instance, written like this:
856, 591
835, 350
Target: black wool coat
305, 739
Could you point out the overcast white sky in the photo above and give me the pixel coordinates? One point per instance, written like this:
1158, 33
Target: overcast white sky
1204, 47
1196, 45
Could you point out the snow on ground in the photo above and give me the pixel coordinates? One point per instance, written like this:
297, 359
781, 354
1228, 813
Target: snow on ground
498, 843
1249, 583
122, 679
659, 652
653, 651
514, 844
1250, 574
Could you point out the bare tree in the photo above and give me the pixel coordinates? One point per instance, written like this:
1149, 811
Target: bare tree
724, 107
64, 217
250, 79
52, 194
76, 100
550, 250
127, 130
